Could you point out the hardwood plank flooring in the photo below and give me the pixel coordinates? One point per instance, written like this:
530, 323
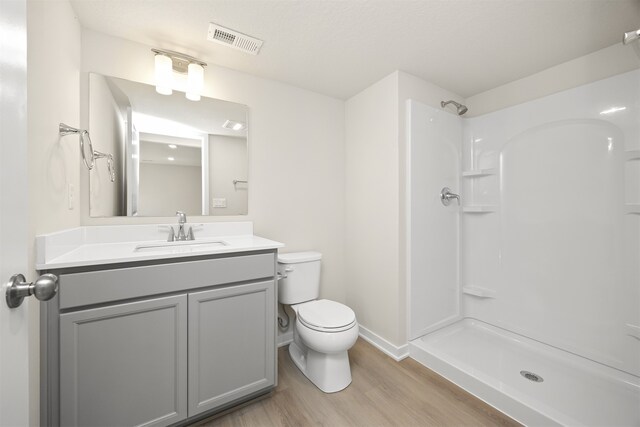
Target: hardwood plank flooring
383, 393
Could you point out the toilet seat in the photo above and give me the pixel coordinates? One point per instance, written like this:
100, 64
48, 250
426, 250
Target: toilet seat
326, 316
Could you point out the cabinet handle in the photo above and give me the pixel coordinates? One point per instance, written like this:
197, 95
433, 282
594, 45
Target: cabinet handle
44, 288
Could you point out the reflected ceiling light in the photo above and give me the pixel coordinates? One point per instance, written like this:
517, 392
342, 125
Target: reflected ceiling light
613, 110
167, 62
171, 159
230, 124
173, 146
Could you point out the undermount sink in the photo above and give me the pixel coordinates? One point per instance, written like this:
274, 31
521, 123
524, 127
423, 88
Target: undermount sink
181, 246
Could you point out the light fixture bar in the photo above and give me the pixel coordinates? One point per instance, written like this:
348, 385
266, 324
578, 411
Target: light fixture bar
180, 61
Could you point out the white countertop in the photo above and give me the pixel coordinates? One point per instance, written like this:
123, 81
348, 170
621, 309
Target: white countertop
100, 245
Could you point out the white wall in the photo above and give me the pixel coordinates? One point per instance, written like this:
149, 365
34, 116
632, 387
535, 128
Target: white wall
164, 187
228, 162
53, 67
296, 153
372, 216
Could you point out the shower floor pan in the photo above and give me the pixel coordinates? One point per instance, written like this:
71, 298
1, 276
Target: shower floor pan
487, 362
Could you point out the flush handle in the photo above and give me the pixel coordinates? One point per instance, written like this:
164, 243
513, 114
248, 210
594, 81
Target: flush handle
44, 288
281, 276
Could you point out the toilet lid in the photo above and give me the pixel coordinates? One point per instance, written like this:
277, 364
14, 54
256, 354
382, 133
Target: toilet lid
326, 314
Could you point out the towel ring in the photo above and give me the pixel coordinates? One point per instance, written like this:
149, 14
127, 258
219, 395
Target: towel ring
68, 130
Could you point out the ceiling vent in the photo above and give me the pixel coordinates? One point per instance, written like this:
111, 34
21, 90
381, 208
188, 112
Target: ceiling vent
233, 39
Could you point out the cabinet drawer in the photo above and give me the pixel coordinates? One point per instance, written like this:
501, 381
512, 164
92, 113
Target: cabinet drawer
95, 287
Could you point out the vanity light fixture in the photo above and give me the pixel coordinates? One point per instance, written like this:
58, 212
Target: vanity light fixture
173, 146
164, 74
171, 159
167, 62
195, 81
230, 124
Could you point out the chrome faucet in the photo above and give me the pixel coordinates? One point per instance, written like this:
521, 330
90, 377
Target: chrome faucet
181, 235
182, 219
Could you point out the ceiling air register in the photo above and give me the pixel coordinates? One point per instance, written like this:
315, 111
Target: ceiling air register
234, 39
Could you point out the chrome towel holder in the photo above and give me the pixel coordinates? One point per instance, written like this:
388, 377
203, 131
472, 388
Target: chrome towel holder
110, 166
89, 163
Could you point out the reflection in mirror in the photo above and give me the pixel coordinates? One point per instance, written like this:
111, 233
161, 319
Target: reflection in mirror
170, 153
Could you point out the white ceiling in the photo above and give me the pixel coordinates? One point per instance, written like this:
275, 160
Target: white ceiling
339, 47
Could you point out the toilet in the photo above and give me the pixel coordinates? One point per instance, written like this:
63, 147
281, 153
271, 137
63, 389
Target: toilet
323, 330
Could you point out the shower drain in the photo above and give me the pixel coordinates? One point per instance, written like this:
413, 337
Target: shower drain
531, 376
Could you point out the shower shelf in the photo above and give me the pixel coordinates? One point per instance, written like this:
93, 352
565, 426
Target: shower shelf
479, 172
632, 208
632, 155
478, 291
633, 330
479, 209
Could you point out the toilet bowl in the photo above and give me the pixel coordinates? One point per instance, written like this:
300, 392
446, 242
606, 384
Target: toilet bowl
323, 330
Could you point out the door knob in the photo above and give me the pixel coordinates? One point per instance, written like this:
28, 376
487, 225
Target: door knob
44, 288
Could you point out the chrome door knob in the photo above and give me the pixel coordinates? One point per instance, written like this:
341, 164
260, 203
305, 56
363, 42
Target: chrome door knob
44, 288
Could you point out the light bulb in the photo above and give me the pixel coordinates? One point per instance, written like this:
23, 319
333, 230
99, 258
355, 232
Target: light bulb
195, 81
164, 74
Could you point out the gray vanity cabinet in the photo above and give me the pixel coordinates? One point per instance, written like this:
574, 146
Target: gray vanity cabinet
124, 365
158, 343
231, 341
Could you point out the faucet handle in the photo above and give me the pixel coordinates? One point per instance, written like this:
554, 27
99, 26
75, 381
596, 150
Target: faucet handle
182, 217
172, 235
190, 235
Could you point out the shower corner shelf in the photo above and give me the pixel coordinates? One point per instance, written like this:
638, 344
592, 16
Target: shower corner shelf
632, 208
478, 291
479, 209
474, 173
632, 155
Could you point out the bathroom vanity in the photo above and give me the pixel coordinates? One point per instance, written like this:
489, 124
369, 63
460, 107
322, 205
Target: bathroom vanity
151, 333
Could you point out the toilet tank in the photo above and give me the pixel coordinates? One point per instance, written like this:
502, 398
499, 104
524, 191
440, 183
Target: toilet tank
300, 272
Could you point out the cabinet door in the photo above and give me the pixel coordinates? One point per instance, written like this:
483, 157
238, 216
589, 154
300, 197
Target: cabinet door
231, 344
124, 365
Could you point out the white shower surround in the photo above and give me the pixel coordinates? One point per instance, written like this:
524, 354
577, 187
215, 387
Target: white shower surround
549, 245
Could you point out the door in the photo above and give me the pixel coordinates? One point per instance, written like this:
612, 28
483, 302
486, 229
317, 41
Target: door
14, 350
125, 364
231, 344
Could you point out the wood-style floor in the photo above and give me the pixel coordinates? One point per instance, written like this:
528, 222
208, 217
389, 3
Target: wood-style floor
383, 393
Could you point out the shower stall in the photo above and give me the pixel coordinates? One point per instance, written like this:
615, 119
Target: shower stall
527, 292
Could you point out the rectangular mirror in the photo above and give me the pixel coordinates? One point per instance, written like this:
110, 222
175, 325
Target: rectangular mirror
169, 153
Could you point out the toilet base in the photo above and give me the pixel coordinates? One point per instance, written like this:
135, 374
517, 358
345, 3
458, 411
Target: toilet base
329, 372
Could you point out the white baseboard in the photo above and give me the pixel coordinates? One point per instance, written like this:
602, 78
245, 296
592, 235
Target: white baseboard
285, 339
391, 350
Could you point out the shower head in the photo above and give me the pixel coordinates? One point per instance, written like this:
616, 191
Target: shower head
630, 36
461, 108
